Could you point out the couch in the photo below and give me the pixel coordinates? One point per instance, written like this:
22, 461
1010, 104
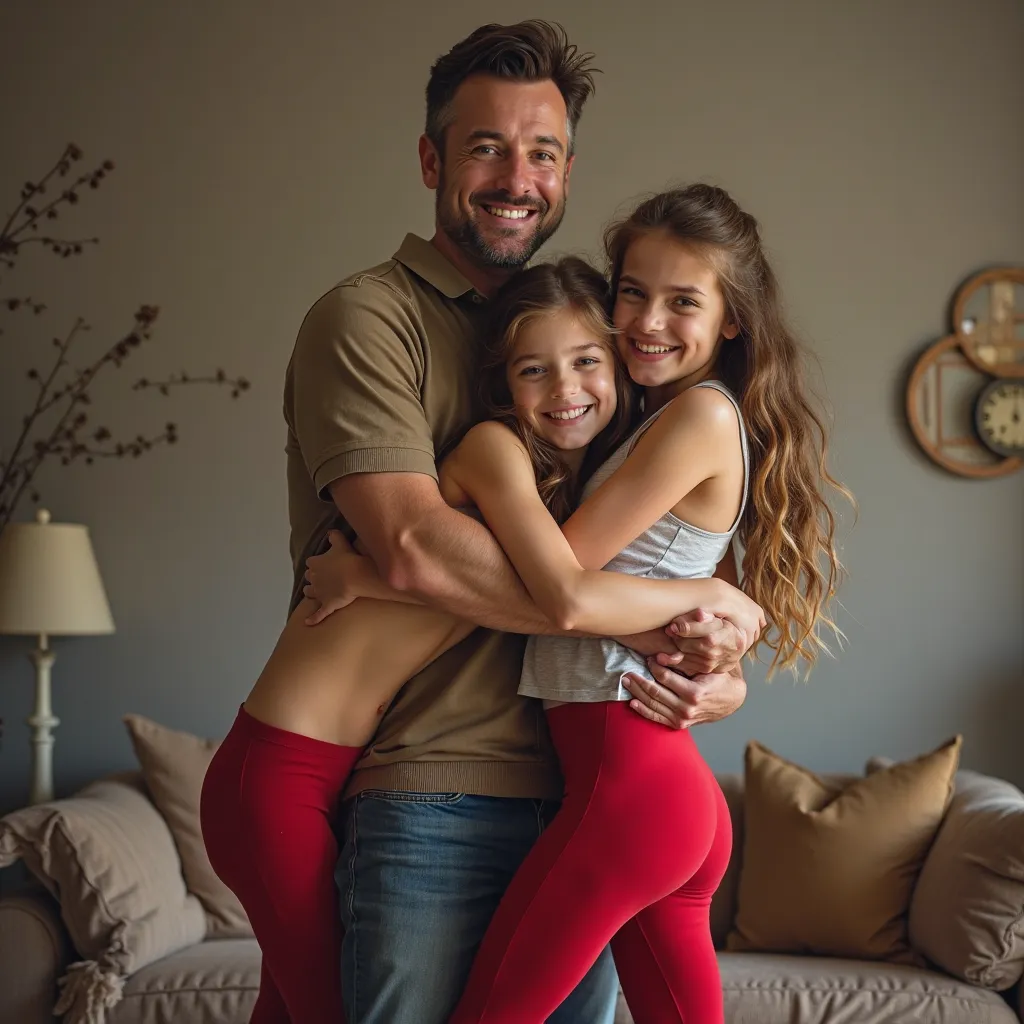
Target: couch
977, 891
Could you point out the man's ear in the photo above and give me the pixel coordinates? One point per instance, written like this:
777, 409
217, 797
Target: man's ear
430, 164
568, 169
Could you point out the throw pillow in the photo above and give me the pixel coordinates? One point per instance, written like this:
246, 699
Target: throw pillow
107, 856
174, 765
828, 869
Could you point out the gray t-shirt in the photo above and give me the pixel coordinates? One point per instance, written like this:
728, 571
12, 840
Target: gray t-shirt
588, 670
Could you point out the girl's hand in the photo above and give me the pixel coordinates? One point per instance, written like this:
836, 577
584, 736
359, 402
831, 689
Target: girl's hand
746, 615
337, 577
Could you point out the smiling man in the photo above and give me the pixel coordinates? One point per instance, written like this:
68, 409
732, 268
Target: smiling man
460, 778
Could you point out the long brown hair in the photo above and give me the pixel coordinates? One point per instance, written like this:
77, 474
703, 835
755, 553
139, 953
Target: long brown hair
790, 565
569, 283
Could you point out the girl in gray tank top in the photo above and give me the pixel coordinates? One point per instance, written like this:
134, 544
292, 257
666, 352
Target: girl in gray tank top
562, 669
730, 447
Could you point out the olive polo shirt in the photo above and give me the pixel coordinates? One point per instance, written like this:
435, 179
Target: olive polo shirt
381, 378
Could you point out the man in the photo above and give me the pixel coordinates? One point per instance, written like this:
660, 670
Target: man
461, 778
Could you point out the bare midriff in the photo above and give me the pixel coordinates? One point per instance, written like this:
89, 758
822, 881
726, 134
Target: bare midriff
334, 681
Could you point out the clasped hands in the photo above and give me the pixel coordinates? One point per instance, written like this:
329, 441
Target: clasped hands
693, 661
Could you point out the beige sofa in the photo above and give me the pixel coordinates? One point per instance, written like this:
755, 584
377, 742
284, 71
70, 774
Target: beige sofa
973, 921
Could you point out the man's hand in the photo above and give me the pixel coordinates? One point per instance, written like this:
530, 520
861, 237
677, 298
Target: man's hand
698, 643
680, 702
707, 645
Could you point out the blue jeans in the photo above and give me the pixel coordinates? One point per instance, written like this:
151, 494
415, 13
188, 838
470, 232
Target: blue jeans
420, 875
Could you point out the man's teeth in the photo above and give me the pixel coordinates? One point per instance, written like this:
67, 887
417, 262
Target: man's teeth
500, 211
652, 350
569, 414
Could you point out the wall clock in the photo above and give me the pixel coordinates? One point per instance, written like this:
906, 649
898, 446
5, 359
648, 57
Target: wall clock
965, 395
999, 417
941, 401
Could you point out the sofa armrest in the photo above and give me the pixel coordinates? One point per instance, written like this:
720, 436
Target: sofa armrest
967, 913
34, 952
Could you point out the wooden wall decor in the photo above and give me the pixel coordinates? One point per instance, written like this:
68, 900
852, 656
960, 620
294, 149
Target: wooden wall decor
959, 417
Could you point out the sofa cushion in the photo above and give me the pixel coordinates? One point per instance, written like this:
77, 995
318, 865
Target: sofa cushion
108, 857
174, 765
213, 982
830, 869
763, 988
974, 876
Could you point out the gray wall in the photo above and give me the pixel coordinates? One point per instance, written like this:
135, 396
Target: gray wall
264, 153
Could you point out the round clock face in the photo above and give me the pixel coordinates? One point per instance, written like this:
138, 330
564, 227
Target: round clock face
999, 417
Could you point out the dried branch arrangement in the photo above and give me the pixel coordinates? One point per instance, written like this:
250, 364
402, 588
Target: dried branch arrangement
59, 424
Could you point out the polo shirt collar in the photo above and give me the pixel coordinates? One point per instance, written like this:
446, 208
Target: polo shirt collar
424, 260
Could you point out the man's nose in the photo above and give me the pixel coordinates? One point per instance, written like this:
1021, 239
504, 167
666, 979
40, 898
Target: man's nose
514, 175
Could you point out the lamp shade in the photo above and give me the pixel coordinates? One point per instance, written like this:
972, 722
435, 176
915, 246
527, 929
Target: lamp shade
49, 580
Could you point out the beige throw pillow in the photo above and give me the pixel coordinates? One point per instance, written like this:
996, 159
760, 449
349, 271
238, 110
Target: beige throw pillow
174, 765
107, 856
829, 869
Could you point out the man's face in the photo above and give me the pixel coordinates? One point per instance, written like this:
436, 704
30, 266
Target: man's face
502, 181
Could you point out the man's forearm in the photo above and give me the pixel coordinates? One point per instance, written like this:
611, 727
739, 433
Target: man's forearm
454, 563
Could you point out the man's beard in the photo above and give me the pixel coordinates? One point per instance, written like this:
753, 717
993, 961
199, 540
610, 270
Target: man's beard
467, 235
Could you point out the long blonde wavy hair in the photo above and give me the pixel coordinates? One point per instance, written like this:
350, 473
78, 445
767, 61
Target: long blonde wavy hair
790, 565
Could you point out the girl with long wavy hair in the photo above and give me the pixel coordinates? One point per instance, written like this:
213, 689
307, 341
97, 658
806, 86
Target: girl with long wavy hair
552, 383
730, 445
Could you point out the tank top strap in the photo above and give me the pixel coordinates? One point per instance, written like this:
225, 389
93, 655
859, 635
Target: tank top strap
716, 385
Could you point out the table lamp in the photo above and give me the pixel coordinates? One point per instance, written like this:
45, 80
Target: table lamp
49, 586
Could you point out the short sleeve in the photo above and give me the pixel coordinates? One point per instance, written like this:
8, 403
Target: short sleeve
354, 396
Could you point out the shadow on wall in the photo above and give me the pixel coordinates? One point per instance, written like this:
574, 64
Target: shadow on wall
996, 723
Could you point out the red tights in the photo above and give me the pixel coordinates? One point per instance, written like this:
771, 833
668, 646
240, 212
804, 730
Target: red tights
633, 857
267, 806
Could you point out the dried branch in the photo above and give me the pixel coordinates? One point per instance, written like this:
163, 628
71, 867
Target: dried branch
220, 378
63, 391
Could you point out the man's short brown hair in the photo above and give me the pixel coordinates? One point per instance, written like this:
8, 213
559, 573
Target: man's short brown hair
530, 51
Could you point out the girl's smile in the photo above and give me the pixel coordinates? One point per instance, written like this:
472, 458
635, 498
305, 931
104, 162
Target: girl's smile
562, 380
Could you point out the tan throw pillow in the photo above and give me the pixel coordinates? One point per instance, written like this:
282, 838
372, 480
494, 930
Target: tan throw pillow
174, 765
829, 869
107, 856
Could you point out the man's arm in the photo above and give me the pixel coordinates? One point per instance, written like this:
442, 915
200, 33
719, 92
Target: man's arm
424, 547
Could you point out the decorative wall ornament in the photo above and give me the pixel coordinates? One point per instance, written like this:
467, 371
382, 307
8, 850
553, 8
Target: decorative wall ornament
965, 396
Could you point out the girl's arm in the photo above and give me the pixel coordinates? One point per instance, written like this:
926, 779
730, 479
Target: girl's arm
494, 470
685, 446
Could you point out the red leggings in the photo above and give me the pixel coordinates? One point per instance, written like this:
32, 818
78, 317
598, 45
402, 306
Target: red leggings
639, 846
268, 802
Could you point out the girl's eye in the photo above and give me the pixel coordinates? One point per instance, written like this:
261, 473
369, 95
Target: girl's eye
588, 361
531, 371
685, 301
628, 289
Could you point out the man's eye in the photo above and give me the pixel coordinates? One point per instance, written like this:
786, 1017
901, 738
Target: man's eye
546, 156
485, 149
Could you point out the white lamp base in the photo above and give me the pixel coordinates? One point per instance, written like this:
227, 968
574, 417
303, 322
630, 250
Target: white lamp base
42, 721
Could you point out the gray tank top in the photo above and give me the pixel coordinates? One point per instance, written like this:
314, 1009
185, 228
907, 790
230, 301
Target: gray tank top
571, 669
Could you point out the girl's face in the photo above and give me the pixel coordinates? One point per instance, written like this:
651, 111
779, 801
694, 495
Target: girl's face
562, 379
670, 313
